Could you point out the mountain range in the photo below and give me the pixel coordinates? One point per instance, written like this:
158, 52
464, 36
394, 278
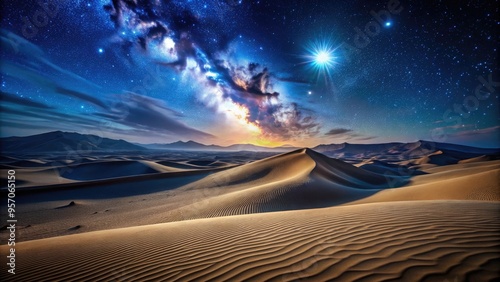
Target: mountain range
195, 146
58, 141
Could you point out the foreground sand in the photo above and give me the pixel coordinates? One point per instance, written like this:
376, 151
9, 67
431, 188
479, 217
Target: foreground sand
400, 241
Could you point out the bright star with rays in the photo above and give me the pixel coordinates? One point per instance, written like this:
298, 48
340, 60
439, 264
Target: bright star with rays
321, 57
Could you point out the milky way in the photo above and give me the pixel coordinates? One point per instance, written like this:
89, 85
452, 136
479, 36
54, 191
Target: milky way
261, 72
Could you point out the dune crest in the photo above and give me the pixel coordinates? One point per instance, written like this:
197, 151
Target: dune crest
301, 179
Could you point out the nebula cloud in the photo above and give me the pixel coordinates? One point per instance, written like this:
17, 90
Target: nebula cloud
183, 40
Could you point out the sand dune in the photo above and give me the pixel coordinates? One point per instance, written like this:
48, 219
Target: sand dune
177, 165
28, 177
306, 179
11, 162
83, 172
481, 158
93, 171
400, 241
442, 158
479, 186
302, 179
298, 215
299, 180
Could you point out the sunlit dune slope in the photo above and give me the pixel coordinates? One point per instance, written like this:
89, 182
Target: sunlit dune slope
300, 179
467, 181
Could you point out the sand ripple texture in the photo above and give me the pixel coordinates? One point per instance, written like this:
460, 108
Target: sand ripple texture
396, 241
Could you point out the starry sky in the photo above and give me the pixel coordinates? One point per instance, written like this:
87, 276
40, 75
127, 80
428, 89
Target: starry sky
261, 72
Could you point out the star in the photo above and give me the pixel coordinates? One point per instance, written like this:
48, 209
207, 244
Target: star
322, 56
100, 50
388, 24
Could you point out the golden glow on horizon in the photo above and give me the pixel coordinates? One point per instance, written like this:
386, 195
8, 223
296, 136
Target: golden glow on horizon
266, 143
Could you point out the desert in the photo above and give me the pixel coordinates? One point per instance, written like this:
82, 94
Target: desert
258, 216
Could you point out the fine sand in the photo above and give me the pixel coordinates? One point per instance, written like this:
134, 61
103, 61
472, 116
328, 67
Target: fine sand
398, 241
298, 215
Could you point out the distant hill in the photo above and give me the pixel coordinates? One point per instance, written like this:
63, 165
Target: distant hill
180, 145
400, 150
195, 146
58, 141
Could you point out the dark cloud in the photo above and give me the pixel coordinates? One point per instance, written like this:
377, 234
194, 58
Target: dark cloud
252, 79
15, 44
24, 125
338, 131
473, 132
17, 117
454, 127
480, 137
138, 112
287, 122
14, 99
365, 138
348, 133
259, 84
81, 96
37, 77
20, 112
29, 53
143, 115
147, 113
33, 120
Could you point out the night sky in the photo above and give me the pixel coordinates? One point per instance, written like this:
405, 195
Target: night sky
261, 72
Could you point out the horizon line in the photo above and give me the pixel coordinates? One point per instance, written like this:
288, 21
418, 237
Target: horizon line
225, 146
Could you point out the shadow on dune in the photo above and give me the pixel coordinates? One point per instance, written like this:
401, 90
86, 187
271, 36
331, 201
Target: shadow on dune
302, 179
110, 188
